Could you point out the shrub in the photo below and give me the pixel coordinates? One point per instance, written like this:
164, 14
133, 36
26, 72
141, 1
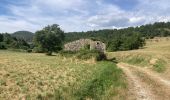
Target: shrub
88, 54
101, 56
29, 50
85, 54
2, 46
38, 50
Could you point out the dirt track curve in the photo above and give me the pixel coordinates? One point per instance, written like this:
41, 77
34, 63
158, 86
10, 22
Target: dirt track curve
145, 84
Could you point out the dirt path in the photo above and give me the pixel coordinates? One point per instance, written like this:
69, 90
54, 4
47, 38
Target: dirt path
137, 89
151, 74
151, 84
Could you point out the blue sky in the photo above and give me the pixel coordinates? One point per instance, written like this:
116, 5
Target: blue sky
80, 15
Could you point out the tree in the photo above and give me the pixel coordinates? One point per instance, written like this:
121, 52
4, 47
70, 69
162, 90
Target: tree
2, 46
1, 38
49, 39
114, 45
135, 41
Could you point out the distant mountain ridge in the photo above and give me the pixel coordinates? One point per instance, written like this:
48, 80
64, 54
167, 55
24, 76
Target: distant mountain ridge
25, 35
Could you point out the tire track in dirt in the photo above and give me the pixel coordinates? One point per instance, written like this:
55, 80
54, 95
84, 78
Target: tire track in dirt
138, 90
150, 74
159, 86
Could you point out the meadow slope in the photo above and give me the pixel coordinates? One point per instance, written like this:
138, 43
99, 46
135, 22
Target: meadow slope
154, 56
147, 69
33, 76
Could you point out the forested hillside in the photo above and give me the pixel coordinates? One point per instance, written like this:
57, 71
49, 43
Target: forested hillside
160, 29
115, 39
124, 39
25, 35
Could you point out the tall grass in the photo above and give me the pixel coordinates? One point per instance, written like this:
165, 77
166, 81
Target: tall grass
108, 78
34, 76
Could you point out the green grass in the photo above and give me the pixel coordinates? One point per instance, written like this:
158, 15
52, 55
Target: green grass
108, 78
159, 66
137, 59
37, 76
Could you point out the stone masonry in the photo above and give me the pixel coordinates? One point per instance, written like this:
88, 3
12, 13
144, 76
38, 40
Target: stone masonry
79, 44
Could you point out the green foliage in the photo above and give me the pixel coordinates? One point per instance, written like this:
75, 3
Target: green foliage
1, 38
134, 41
85, 54
87, 47
29, 50
114, 38
101, 56
114, 45
38, 50
2, 46
20, 44
9, 42
49, 39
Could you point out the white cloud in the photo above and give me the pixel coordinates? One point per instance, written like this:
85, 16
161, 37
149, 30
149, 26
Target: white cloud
9, 24
82, 15
147, 11
41, 13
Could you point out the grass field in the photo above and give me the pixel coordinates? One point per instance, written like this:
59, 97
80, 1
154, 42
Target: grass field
155, 55
33, 76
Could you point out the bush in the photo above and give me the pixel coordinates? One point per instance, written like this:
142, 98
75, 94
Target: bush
85, 54
38, 50
101, 56
29, 50
50, 39
2, 46
123, 43
88, 54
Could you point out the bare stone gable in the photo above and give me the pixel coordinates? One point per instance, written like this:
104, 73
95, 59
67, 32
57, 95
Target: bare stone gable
79, 44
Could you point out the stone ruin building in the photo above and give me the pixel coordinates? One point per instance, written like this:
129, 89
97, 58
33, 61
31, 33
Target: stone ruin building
79, 44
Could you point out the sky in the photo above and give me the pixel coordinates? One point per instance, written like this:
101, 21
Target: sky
80, 15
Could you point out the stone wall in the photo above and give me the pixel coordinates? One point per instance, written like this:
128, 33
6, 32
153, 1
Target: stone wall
79, 44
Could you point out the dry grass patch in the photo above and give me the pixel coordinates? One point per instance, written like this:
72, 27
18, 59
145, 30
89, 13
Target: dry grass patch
36, 76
